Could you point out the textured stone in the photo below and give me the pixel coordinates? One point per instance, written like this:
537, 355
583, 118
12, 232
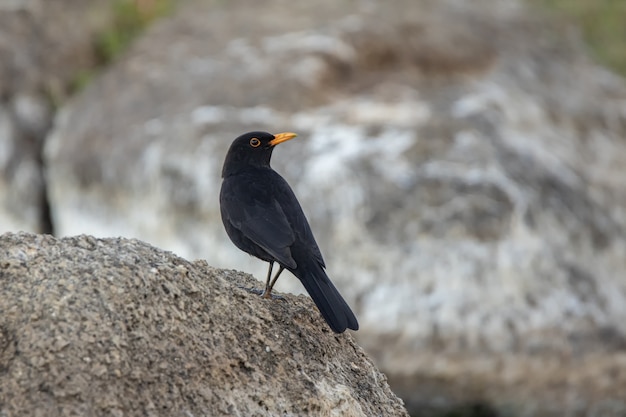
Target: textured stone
100, 327
463, 168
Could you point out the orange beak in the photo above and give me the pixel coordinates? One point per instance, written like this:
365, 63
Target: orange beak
282, 137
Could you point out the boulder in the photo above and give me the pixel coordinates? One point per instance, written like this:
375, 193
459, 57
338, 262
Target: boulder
44, 47
462, 167
101, 327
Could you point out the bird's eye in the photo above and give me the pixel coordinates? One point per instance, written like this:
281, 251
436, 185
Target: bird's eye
254, 142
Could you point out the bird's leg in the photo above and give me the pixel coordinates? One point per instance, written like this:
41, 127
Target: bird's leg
268, 289
267, 283
269, 275
270, 285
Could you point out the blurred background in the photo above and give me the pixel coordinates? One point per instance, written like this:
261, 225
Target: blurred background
463, 166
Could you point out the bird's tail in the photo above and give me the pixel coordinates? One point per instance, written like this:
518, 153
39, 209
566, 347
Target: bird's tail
330, 303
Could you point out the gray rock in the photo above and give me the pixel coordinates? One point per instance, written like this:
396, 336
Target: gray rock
21, 176
97, 327
44, 45
463, 168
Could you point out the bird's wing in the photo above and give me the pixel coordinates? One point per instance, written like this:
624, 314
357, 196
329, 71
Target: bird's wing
267, 226
262, 221
297, 219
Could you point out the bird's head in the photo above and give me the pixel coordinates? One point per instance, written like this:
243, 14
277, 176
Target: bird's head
252, 149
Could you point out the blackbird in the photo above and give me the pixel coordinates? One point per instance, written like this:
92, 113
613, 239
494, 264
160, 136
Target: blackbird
262, 217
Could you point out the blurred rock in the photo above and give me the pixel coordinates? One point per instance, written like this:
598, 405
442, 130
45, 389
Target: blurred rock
44, 45
463, 168
116, 327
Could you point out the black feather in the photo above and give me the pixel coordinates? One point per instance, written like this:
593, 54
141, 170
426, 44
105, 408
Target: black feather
263, 217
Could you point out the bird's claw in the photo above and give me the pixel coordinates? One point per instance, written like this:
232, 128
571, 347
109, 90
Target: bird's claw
270, 296
263, 293
252, 290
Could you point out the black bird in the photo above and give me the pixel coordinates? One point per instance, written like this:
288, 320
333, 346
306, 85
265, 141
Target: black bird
263, 218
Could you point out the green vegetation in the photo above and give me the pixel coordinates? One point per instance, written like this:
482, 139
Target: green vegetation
603, 25
130, 18
79, 80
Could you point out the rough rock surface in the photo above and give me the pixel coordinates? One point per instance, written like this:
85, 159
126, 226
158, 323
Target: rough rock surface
463, 168
96, 327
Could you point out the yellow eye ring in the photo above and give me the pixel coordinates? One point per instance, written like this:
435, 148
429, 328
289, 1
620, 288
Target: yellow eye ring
254, 142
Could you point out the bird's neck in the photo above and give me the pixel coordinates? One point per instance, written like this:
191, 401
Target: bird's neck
237, 169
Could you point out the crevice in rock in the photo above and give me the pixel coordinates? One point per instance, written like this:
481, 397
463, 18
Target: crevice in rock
33, 115
28, 116
45, 214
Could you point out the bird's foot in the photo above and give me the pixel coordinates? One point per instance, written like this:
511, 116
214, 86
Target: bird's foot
268, 295
256, 291
263, 293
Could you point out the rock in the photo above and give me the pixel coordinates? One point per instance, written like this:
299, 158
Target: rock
43, 47
21, 178
462, 168
98, 327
